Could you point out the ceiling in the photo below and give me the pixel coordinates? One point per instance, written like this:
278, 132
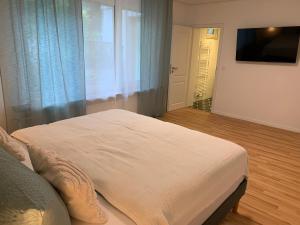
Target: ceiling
201, 1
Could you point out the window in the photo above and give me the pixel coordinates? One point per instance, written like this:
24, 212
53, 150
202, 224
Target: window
112, 47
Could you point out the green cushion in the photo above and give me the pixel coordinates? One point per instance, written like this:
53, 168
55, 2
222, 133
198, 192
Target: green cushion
26, 197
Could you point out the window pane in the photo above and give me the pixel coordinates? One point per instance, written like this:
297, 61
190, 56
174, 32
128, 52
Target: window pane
128, 32
131, 49
98, 24
112, 47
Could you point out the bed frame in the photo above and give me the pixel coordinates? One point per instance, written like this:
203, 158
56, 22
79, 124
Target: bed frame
230, 204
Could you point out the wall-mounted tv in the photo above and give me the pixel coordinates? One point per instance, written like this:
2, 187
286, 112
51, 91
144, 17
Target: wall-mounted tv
271, 44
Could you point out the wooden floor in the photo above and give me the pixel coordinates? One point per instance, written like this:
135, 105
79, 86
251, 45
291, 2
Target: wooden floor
273, 195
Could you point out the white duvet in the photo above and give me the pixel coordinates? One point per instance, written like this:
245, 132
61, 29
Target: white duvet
157, 173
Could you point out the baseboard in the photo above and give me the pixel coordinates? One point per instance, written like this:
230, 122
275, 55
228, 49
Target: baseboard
280, 126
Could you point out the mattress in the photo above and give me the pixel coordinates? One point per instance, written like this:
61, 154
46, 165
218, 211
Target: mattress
179, 175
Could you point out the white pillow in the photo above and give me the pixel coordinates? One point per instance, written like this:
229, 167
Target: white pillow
74, 186
11, 145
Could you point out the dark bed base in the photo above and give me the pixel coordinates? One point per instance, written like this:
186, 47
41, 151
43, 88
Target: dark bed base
229, 204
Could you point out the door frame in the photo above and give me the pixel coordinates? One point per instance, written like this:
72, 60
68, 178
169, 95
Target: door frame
217, 74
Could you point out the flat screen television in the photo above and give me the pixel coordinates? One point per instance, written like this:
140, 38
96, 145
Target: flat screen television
271, 44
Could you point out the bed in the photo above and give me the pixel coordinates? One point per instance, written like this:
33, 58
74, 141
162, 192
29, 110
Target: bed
147, 171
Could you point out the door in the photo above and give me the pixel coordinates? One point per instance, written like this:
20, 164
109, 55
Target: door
180, 61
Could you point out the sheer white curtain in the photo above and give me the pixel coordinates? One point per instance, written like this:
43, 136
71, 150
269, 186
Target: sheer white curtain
112, 52
41, 59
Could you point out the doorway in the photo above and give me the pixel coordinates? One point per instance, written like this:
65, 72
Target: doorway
203, 67
194, 62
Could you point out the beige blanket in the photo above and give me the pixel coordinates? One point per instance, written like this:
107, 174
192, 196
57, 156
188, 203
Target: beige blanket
155, 172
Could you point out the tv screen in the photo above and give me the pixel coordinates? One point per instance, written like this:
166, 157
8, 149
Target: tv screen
272, 44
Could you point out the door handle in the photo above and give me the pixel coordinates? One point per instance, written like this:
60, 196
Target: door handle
173, 69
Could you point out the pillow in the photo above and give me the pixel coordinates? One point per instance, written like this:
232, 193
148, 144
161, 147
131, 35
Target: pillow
26, 197
75, 187
11, 145
26, 161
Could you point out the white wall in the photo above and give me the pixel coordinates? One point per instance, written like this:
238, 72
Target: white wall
258, 92
180, 12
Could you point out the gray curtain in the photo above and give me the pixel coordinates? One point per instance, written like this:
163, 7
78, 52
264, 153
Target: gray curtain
42, 62
156, 33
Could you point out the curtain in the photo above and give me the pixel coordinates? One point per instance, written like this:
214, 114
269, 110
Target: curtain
112, 53
42, 61
156, 34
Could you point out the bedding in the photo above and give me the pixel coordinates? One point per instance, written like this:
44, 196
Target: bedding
115, 216
15, 148
27, 160
74, 186
27, 198
11, 145
156, 173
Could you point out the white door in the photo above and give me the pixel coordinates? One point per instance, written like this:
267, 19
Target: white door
180, 61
